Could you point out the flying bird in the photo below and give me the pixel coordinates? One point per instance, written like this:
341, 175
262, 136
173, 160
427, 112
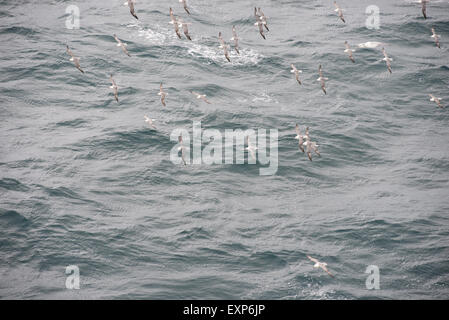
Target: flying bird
321, 265
224, 46
184, 3
259, 22
296, 72
322, 79
310, 145
436, 100
235, 38
182, 149
75, 60
200, 96
262, 18
185, 28
121, 44
387, 60
260, 25
339, 12
349, 51
175, 23
162, 94
300, 138
150, 122
251, 149
424, 8
436, 37
114, 88
130, 4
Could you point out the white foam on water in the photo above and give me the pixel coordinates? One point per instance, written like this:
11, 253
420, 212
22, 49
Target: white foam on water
246, 56
212, 54
264, 97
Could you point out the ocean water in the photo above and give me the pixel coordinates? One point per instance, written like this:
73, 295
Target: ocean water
84, 181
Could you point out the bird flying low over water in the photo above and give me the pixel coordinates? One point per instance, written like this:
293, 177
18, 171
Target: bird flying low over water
75, 60
387, 60
296, 72
349, 51
322, 79
300, 138
339, 12
184, 3
130, 4
251, 149
224, 46
182, 149
162, 94
114, 88
262, 18
436, 100
121, 44
424, 8
150, 122
175, 23
259, 23
235, 38
185, 29
200, 96
310, 145
321, 265
436, 38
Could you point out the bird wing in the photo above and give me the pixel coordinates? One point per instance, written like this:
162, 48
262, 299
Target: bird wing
325, 269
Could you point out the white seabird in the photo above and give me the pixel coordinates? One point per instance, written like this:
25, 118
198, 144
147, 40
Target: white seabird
185, 29
436, 100
349, 51
182, 149
436, 38
296, 72
162, 94
130, 4
262, 18
310, 145
251, 149
114, 88
339, 11
150, 121
259, 23
121, 44
235, 38
322, 79
184, 3
319, 264
299, 137
224, 46
175, 23
200, 96
424, 8
75, 60
387, 60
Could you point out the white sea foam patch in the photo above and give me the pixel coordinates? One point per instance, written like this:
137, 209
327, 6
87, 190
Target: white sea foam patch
264, 97
157, 36
163, 36
215, 54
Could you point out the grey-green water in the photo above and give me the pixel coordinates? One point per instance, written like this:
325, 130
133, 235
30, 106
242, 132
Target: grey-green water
85, 182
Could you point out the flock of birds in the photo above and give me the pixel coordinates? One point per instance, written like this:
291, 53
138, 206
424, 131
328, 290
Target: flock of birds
306, 145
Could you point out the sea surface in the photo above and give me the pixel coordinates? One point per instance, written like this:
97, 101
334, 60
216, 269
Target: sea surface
85, 182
